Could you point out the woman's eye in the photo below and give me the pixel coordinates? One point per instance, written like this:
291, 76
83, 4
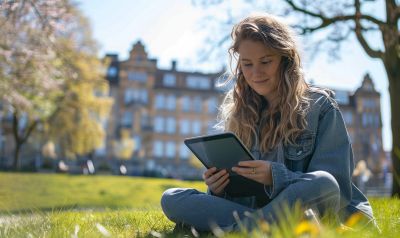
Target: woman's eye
266, 62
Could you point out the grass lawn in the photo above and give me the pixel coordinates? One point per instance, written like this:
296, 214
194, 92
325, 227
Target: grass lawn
55, 205
21, 192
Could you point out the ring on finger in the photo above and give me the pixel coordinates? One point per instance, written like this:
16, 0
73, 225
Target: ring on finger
253, 171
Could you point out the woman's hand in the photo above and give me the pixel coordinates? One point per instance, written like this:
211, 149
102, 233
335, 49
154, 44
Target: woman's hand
216, 181
257, 170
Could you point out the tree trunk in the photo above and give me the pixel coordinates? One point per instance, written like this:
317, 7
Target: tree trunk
20, 139
16, 163
394, 89
393, 73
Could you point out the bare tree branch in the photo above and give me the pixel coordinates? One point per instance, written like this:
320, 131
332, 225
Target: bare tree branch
358, 30
326, 21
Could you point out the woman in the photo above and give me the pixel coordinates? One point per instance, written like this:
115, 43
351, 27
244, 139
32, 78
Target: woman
295, 131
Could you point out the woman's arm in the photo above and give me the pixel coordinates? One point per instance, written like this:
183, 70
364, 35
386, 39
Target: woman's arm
333, 154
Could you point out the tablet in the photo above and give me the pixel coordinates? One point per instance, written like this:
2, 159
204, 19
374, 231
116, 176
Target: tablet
225, 151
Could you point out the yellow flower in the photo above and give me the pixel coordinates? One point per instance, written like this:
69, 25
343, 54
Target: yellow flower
354, 219
307, 227
264, 226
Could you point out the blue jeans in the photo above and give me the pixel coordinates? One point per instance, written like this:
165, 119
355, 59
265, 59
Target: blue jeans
317, 190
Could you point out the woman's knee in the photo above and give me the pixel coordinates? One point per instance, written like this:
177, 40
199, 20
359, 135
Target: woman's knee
326, 181
171, 198
167, 198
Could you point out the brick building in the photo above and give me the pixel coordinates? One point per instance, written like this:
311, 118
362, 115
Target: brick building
362, 113
158, 108
161, 107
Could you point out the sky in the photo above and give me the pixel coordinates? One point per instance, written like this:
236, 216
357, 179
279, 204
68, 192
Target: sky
178, 30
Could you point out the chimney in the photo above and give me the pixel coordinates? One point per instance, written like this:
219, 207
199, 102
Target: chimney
173, 65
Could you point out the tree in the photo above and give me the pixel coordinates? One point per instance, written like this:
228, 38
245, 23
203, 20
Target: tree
350, 18
47, 59
29, 75
124, 147
343, 18
77, 124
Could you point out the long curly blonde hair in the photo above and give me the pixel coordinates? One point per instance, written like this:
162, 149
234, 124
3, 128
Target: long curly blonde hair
248, 114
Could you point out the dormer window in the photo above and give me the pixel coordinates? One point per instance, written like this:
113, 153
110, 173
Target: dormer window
169, 80
112, 71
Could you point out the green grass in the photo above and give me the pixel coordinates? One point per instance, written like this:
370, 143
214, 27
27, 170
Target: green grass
54, 205
24, 191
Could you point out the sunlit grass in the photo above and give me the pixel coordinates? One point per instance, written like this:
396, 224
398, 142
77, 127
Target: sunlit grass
107, 206
122, 223
24, 192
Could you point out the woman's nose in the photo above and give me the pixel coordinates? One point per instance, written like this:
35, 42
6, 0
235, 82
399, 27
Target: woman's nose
257, 71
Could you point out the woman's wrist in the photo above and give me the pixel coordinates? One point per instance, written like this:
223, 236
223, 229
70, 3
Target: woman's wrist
268, 178
221, 194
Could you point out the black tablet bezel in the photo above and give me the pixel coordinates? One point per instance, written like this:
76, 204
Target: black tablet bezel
207, 138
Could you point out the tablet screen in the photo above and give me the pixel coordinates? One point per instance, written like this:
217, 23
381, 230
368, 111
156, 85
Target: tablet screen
222, 150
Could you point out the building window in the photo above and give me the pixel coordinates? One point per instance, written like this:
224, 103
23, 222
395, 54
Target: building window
145, 121
170, 151
127, 119
138, 143
197, 104
364, 119
198, 82
158, 148
377, 121
171, 125
112, 71
186, 103
369, 103
139, 58
144, 96
369, 119
160, 101
212, 105
169, 80
137, 76
135, 95
170, 103
184, 152
196, 127
185, 127
159, 124
129, 95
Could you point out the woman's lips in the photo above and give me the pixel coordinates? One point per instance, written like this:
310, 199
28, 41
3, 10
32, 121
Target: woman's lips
260, 81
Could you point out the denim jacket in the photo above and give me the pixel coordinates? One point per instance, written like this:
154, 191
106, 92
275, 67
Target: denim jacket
325, 145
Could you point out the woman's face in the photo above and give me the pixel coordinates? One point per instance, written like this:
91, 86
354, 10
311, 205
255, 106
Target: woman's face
259, 65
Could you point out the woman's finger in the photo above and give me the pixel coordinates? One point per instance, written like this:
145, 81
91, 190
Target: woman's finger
247, 170
222, 186
251, 163
220, 180
209, 172
210, 180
